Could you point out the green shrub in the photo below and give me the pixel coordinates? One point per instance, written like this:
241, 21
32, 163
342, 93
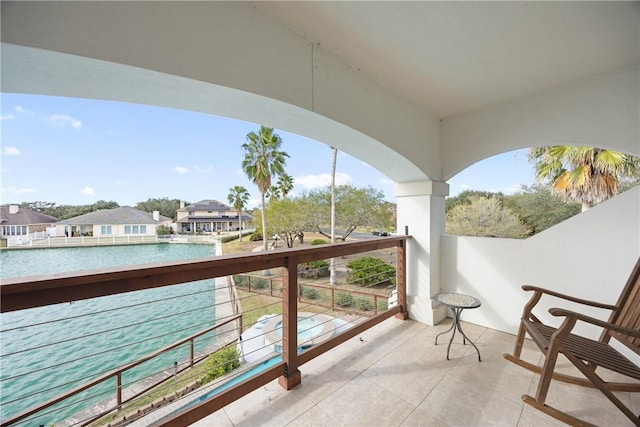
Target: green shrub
318, 242
370, 271
229, 238
240, 280
259, 283
383, 304
313, 269
310, 293
344, 299
364, 304
255, 237
220, 363
163, 230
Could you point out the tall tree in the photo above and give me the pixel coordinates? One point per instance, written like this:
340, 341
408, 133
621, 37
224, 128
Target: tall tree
485, 218
467, 196
238, 197
587, 175
285, 220
538, 208
263, 160
355, 207
285, 184
165, 206
332, 269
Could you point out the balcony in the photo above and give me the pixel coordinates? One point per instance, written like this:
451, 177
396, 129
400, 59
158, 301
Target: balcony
381, 371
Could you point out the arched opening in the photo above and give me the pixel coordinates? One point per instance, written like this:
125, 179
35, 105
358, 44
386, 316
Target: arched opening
520, 193
95, 150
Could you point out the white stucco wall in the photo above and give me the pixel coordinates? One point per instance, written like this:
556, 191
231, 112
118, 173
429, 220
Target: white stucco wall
590, 256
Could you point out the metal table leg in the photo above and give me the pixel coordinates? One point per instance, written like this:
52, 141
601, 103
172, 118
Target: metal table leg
453, 325
456, 325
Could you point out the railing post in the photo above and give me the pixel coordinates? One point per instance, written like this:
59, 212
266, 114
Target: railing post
401, 283
119, 388
191, 353
292, 376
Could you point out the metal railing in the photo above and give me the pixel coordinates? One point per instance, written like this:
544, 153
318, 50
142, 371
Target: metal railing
38, 291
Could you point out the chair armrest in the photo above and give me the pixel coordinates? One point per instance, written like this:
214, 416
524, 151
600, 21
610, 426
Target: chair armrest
610, 326
568, 297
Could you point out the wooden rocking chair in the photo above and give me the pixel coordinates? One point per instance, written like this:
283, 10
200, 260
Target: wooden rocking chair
586, 354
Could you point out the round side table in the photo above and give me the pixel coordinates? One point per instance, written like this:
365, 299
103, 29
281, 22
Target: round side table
457, 303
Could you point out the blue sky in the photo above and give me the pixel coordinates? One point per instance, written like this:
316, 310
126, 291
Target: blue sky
79, 151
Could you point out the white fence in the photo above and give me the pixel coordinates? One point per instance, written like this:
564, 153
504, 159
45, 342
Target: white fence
46, 242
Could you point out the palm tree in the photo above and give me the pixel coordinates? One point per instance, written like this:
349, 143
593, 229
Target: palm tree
238, 197
262, 161
285, 184
273, 193
586, 175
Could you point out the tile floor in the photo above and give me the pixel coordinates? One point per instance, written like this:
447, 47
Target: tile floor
394, 375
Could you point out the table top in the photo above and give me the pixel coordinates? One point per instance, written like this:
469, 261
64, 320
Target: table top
458, 300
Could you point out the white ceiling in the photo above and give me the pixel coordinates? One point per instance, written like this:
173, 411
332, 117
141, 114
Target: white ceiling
453, 57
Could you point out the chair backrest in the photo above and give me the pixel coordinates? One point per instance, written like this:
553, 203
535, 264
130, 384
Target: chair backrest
628, 312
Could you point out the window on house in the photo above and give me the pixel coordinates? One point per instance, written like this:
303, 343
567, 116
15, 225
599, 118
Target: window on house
105, 230
15, 230
135, 229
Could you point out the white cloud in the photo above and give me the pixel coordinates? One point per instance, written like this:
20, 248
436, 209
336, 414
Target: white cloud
321, 180
180, 169
60, 120
385, 181
64, 120
21, 110
17, 190
89, 191
204, 171
465, 187
7, 117
11, 151
254, 203
25, 190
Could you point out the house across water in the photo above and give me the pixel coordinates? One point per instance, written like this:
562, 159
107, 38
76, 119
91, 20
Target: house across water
208, 216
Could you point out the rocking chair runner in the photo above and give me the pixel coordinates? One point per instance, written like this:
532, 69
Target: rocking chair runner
586, 354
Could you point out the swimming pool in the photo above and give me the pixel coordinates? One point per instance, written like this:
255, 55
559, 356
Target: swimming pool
312, 328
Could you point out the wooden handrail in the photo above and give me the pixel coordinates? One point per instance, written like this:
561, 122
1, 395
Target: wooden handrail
42, 290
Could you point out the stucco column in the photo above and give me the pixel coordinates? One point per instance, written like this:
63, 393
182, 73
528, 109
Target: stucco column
421, 211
